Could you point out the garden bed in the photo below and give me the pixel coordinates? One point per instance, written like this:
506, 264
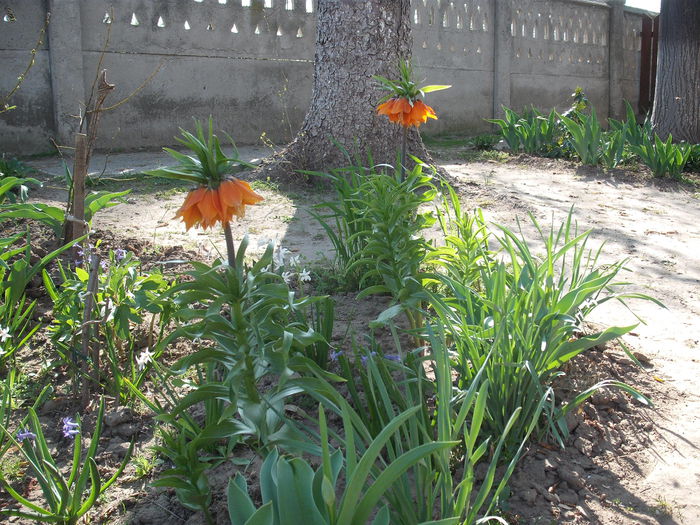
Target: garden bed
623, 463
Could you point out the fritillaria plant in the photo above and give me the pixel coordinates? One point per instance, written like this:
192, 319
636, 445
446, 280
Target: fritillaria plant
218, 195
403, 104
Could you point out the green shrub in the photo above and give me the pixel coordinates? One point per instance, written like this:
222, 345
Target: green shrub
15, 179
524, 322
585, 136
16, 272
693, 164
55, 217
484, 141
663, 158
375, 224
634, 133
386, 385
124, 297
532, 132
613, 149
509, 128
293, 493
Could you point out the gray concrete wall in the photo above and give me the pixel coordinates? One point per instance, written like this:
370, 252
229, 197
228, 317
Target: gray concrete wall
453, 44
558, 46
631, 56
249, 63
29, 127
248, 66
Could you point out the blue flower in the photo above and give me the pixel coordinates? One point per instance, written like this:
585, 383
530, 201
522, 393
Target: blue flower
25, 434
104, 264
335, 355
70, 428
119, 254
365, 357
393, 357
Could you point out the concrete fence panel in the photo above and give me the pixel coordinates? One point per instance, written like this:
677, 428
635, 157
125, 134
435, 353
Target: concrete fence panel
29, 127
249, 63
558, 46
453, 43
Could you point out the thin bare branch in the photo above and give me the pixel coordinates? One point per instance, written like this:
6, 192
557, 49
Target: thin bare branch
4, 106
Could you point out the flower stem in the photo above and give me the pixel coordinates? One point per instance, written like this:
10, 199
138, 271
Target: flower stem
230, 249
404, 140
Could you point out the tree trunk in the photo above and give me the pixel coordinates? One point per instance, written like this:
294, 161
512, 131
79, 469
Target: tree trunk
354, 41
677, 98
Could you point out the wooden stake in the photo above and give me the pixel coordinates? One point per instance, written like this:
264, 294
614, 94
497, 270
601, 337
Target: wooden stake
84, 144
76, 218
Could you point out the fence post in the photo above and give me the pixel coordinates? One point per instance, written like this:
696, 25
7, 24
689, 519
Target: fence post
66, 55
616, 50
502, 53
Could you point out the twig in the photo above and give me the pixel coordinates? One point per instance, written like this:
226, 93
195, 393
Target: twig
4, 106
104, 88
134, 92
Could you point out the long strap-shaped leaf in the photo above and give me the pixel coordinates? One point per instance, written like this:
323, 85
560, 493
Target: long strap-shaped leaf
364, 508
358, 477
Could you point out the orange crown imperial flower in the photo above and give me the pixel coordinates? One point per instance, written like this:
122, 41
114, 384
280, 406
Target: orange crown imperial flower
206, 207
402, 111
403, 104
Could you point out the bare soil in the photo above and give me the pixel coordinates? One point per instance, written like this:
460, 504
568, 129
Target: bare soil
624, 464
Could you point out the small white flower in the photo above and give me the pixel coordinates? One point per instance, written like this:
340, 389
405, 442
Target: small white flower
267, 269
294, 260
287, 276
2, 351
144, 358
280, 256
305, 276
4, 334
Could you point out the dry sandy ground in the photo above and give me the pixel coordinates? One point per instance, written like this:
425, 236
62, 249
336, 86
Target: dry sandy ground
655, 227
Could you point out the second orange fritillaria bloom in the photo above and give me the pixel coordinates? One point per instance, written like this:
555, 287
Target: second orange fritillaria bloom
400, 110
206, 207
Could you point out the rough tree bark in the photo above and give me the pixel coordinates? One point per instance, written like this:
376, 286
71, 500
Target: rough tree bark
354, 40
677, 98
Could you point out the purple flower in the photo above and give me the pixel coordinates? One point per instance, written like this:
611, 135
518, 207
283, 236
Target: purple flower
119, 254
393, 357
365, 357
25, 434
70, 428
104, 264
335, 355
